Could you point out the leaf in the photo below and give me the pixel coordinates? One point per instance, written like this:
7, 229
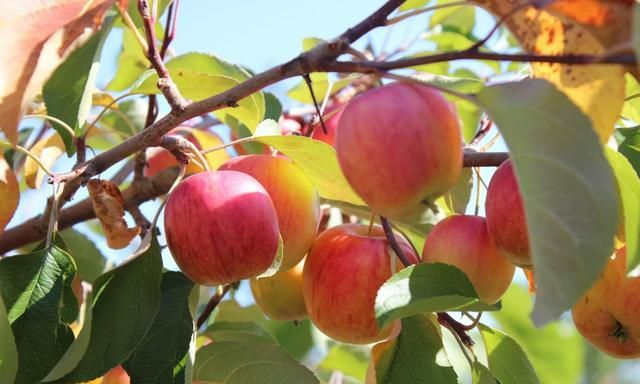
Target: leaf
598, 90
273, 107
199, 76
277, 261
35, 35
239, 331
88, 258
320, 83
36, 289
162, 355
319, 162
630, 148
48, 150
556, 350
124, 304
567, 187
233, 362
456, 199
460, 18
413, 357
629, 190
10, 192
132, 62
8, 350
108, 206
205, 139
453, 83
267, 127
481, 374
507, 361
68, 92
431, 287
129, 118
346, 359
413, 4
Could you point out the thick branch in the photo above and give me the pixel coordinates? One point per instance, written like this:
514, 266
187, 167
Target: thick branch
484, 159
139, 192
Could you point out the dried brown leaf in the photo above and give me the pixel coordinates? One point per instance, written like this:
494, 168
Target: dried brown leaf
108, 206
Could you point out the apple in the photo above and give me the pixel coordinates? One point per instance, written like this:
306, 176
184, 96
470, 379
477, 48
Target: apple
463, 241
504, 210
342, 274
294, 197
332, 113
289, 126
158, 159
608, 315
400, 147
280, 296
221, 227
116, 375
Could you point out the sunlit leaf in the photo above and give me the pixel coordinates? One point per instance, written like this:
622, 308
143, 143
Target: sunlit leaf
10, 192
132, 62
507, 361
89, 260
48, 150
456, 199
108, 205
321, 85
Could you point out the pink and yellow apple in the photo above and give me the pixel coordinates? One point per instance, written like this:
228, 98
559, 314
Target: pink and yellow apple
464, 242
294, 197
400, 147
608, 315
505, 216
342, 274
221, 227
280, 296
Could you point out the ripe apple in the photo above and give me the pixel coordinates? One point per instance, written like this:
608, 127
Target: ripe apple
464, 242
116, 375
294, 196
332, 113
221, 227
289, 126
505, 216
342, 274
400, 147
608, 315
280, 296
158, 159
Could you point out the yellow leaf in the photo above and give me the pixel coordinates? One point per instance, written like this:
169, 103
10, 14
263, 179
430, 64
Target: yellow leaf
48, 150
9, 194
108, 206
205, 140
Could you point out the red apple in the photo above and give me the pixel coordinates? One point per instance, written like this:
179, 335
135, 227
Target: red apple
608, 315
331, 117
116, 375
221, 227
342, 274
464, 242
289, 126
294, 196
505, 216
400, 147
280, 296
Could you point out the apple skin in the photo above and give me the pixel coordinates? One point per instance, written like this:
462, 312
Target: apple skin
159, 159
294, 197
608, 315
221, 227
280, 296
504, 210
117, 375
400, 147
289, 126
331, 123
463, 241
342, 274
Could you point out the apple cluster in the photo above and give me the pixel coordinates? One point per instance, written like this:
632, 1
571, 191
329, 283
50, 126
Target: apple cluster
400, 148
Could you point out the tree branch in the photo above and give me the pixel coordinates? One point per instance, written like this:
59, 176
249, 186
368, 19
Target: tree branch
483, 159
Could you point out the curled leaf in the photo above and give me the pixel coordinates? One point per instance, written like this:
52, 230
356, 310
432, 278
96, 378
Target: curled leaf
48, 150
9, 193
108, 205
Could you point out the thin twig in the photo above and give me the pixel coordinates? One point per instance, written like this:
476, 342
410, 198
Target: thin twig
307, 80
212, 304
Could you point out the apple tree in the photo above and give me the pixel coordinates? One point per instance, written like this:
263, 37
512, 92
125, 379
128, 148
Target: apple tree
384, 215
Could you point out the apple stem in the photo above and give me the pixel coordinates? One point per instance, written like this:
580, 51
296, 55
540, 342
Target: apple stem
456, 327
391, 239
620, 333
212, 304
307, 80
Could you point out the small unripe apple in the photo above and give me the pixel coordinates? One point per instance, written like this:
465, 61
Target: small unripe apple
464, 242
608, 315
280, 296
294, 197
505, 216
332, 113
342, 274
221, 227
400, 147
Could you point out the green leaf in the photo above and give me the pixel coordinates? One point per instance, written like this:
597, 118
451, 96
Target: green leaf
124, 304
162, 356
350, 360
36, 289
431, 287
412, 358
413, 4
481, 374
273, 107
199, 76
449, 41
320, 83
8, 350
236, 361
630, 146
319, 162
129, 118
507, 361
133, 11
132, 62
629, 189
453, 83
460, 18
456, 199
309, 42
556, 350
567, 186
89, 260
238, 331
67, 94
